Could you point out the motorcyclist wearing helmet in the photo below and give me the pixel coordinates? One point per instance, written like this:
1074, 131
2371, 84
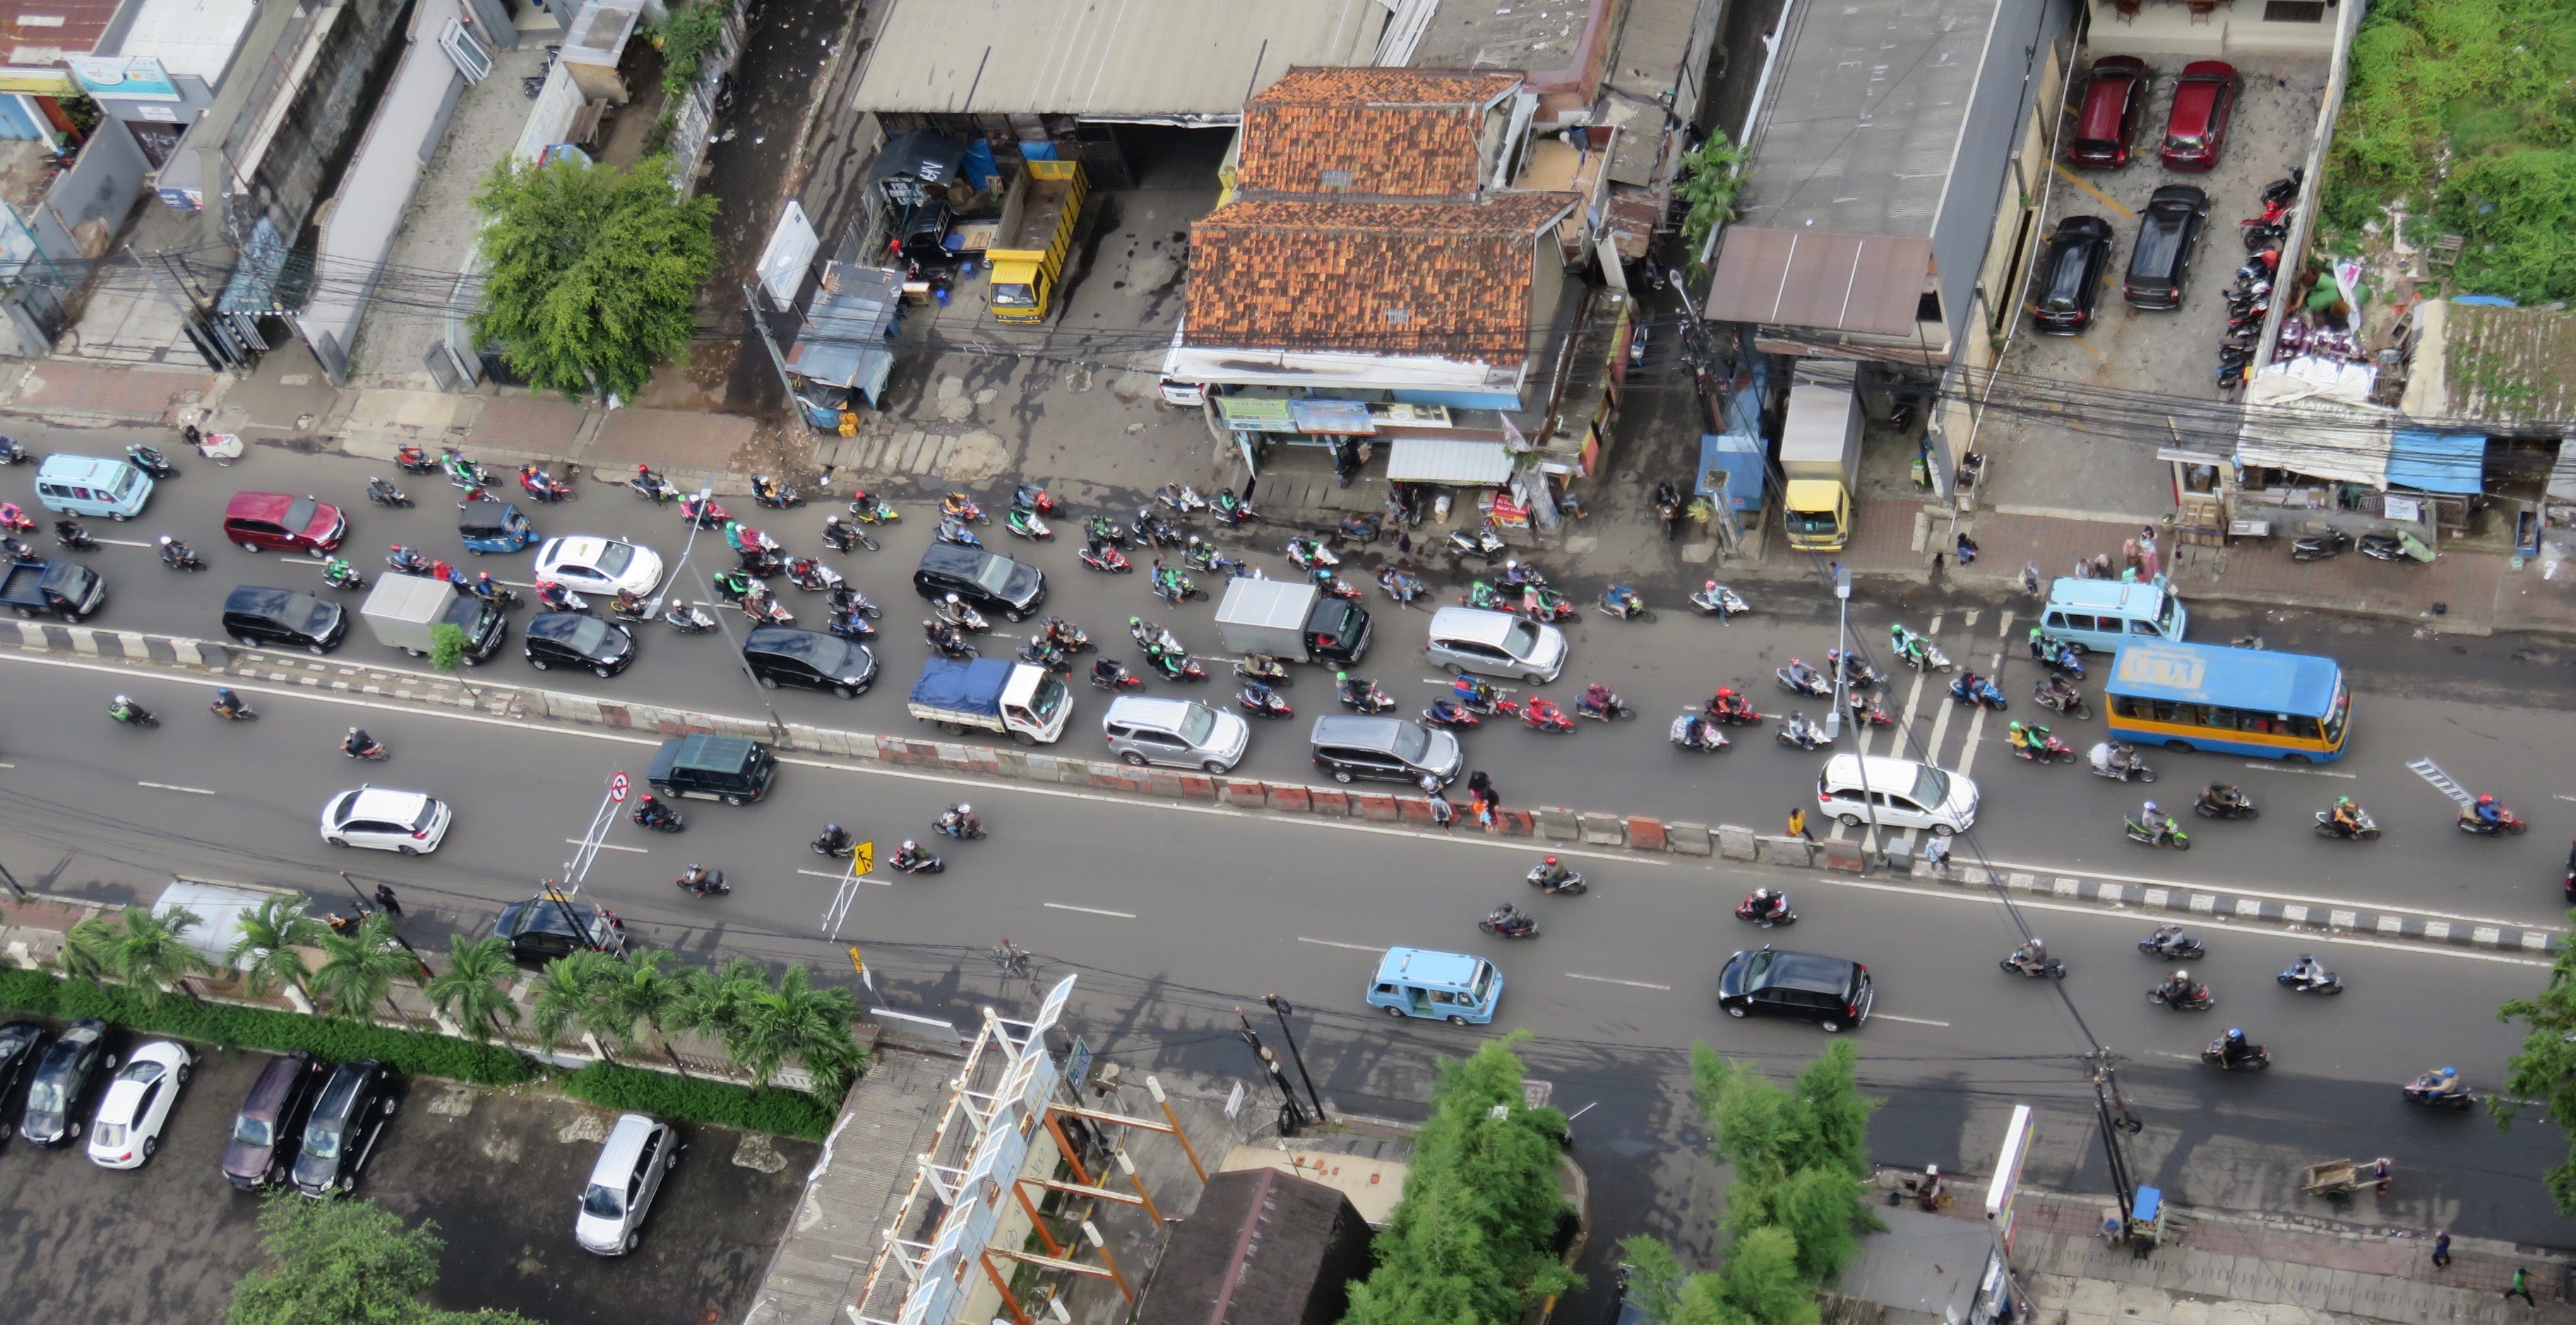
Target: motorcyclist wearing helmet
1467, 689
2446, 1081
959, 821
1727, 703
2031, 956
2307, 970
2346, 816
124, 709
1768, 903
2152, 819
1552, 874
2167, 938
834, 841
649, 810
1596, 700
2019, 738
1108, 671
2489, 813
228, 703
1692, 729
909, 854
2233, 1049
2221, 797
1509, 919
2178, 988
358, 743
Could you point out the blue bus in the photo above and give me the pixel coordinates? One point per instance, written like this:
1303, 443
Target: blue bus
2242, 701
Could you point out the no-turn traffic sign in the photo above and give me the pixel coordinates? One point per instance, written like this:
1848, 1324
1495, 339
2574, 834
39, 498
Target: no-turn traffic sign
617, 788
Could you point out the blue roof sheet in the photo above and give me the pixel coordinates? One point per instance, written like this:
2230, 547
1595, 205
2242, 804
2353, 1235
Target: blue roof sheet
2235, 678
2427, 461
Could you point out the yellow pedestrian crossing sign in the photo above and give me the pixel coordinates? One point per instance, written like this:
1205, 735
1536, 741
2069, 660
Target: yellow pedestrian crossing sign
864, 859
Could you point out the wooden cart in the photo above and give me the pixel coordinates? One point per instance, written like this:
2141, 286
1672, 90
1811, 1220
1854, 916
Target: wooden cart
2335, 1177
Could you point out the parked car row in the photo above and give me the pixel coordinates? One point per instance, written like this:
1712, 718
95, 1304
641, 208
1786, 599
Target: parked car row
2115, 100
2074, 265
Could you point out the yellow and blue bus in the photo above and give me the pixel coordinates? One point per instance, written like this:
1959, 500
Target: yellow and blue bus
2243, 701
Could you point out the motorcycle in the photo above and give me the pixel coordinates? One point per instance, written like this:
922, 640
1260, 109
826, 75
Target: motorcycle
1866, 714
1151, 530
2196, 999
1358, 528
540, 485
1856, 674
405, 561
1799, 679
413, 460
1174, 588
1611, 709
2171, 944
1540, 715
2065, 660
962, 508
1024, 522
2403, 546
1739, 713
1450, 716
1039, 653
11, 453
842, 537
1527, 929
1111, 674
1263, 702
871, 510
1175, 665
1033, 498
1543, 605
239, 712
464, 474
2319, 981
1230, 510
1102, 529
856, 626
1709, 741
1918, 652
1754, 911
769, 492
920, 864
1264, 669
178, 556
763, 610
1071, 638
763, 565
1971, 689
658, 817
14, 520
953, 530
1362, 696
1622, 603
812, 576
2050, 968
2042, 747
1106, 557
1571, 885
1401, 586
150, 461
16, 550
2507, 823
1308, 554
373, 751
2235, 805
554, 597
953, 611
831, 847
1200, 555
2057, 697
1483, 543
1335, 586
2158, 835
688, 618
2318, 547
2428, 1089
2364, 828
652, 487
1486, 597
2216, 1056
1482, 697
69, 534
947, 641
340, 574
1715, 599
2119, 762
625, 606
132, 714
386, 494
1799, 734
708, 514
703, 883
1181, 497
1149, 635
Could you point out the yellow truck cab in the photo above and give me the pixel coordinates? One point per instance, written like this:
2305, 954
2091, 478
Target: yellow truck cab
1036, 232
1820, 455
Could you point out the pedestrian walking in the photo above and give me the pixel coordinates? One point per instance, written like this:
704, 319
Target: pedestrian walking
1936, 853
1403, 543
2379, 1176
1481, 788
2442, 1249
1798, 824
385, 898
2521, 1286
1484, 814
2130, 556
1441, 811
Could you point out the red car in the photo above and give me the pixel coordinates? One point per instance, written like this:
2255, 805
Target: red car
275, 522
2203, 98
2115, 99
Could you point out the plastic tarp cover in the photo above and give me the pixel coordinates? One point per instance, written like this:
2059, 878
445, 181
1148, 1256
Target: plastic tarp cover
2423, 460
2312, 427
961, 687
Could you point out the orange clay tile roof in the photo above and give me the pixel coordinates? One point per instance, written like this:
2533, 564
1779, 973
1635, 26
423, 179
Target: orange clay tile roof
1449, 279
1396, 132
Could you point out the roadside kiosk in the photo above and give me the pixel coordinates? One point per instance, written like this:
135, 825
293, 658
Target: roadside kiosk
1416, 982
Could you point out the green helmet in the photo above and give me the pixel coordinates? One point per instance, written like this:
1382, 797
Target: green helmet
2012, 726
1341, 676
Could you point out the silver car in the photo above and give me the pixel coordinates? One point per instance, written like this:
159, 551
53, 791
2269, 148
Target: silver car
639, 1151
1177, 732
1472, 639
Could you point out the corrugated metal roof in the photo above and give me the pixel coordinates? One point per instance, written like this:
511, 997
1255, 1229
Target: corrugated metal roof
1186, 60
1867, 106
1447, 460
1809, 278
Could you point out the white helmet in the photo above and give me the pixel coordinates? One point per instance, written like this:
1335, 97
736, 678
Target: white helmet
964, 808
910, 845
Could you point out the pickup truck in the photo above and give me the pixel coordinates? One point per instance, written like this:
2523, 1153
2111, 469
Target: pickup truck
66, 589
1026, 702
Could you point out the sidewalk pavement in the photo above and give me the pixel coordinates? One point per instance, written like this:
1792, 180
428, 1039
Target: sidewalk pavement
2237, 1267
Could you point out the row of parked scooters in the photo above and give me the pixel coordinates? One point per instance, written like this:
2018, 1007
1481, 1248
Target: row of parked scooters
2249, 301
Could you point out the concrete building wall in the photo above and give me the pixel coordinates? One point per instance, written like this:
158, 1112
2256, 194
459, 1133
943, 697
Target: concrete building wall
102, 186
2241, 29
2009, 88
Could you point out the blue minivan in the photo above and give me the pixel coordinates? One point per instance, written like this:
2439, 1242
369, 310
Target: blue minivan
1450, 986
87, 485
2099, 615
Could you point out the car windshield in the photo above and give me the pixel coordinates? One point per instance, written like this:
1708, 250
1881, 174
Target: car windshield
299, 513
1196, 724
615, 558
603, 1202
145, 1072
1484, 983
1412, 743
1931, 786
322, 1142
2165, 617
1049, 698
253, 1131
589, 638
1758, 967
1521, 640
994, 574
1811, 522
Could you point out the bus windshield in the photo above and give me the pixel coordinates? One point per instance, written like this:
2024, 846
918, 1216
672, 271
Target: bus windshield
2335, 715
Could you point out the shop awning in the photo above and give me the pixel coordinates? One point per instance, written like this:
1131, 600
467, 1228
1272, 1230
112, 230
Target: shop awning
1447, 460
2422, 460
1348, 417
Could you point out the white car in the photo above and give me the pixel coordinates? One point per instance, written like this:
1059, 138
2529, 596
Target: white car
599, 565
622, 1185
386, 820
130, 1117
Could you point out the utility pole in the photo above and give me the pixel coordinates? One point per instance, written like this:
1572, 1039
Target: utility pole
2114, 1120
1281, 1007
23, 894
1292, 1115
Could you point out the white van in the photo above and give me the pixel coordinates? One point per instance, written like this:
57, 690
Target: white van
1895, 793
88, 485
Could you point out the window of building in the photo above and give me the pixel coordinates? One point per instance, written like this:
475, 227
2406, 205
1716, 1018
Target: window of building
2294, 11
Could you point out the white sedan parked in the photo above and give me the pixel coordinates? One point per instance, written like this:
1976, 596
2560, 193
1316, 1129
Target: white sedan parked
137, 1105
599, 565
386, 820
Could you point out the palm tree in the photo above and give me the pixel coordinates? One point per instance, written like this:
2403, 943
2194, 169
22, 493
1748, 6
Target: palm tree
568, 994
638, 989
265, 954
470, 988
797, 1021
151, 951
88, 950
360, 967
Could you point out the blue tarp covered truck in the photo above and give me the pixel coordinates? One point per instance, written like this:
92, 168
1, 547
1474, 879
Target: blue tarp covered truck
1028, 703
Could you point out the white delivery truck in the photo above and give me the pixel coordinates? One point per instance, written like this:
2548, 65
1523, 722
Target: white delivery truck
401, 609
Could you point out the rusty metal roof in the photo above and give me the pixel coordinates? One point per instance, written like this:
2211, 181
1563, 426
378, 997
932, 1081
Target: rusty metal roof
1807, 278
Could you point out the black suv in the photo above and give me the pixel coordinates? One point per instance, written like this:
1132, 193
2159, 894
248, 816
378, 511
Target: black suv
988, 582
2069, 279
1352, 745
1830, 991
349, 1116
21, 1043
2168, 231
786, 656
540, 929
578, 639
254, 616
73, 1063
732, 769
272, 1120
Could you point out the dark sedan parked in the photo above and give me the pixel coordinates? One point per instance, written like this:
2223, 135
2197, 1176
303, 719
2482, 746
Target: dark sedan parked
578, 639
262, 1147
2069, 280
76, 1061
784, 655
2168, 232
348, 1118
21, 1043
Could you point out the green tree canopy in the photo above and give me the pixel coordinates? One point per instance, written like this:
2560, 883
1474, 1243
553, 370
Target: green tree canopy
470, 988
360, 966
2545, 1070
1709, 185
593, 272
1473, 1241
345, 1262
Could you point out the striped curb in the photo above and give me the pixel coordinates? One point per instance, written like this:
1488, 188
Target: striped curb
1541, 823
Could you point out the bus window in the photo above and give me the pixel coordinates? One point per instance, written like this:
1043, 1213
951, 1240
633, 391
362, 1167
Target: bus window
2302, 727
2127, 706
2073, 621
2165, 710
2224, 719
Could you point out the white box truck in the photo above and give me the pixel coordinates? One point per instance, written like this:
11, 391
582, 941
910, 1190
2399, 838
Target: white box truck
1820, 455
1291, 620
401, 609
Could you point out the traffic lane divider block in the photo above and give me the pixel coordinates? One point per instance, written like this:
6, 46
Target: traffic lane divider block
1246, 795
1323, 800
1288, 798
1646, 834
1375, 806
1688, 839
1602, 830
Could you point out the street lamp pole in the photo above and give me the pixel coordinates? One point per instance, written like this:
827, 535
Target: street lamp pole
706, 493
1281, 1007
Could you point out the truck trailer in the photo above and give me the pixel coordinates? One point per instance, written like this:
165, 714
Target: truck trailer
1292, 620
1820, 455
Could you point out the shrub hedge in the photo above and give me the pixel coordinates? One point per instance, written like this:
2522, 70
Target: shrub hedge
775, 1110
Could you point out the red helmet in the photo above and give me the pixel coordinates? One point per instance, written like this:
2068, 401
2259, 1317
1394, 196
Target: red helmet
1726, 692
1551, 860
643, 469
2486, 800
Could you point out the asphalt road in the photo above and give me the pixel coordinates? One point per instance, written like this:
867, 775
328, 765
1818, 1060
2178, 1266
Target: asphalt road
1170, 938
2493, 712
